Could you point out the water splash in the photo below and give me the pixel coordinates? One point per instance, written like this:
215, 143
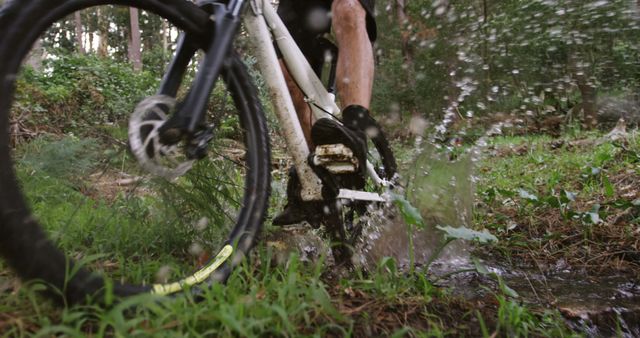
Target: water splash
443, 190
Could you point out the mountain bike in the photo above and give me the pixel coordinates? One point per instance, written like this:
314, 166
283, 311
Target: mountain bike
213, 155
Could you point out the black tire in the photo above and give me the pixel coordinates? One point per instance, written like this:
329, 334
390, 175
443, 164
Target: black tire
24, 243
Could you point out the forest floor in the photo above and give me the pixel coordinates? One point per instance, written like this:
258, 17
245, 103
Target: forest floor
565, 206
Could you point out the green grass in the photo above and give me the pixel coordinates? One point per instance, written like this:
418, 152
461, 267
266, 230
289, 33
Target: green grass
71, 190
143, 233
539, 167
551, 199
291, 300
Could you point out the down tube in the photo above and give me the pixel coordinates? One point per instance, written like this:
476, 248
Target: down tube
315, 92
262, 47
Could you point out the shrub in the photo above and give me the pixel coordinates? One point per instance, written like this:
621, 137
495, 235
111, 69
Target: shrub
77, 90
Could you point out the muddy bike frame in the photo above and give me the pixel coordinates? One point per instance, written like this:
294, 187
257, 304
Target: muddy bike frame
263, 26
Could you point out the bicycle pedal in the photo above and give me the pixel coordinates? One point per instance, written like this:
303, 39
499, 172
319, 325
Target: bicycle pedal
336, 158
360, 195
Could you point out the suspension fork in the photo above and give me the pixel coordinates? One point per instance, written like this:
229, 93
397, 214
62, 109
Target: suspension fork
188, 119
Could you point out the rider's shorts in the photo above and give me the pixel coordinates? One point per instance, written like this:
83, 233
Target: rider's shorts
306, 20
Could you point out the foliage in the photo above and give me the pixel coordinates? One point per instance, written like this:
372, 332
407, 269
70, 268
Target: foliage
577, 203
411, 215
65, 158
111, 23
466, 58
292, 300
527, 58
212, 190
467, 234
142, 235
81, 90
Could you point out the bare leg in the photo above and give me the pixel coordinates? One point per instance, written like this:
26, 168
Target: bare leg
355, 63
302, 108
355, 58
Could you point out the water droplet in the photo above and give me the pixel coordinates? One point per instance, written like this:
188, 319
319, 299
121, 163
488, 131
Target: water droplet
328, 57
318, 19
202, 224
418, 125
163, 274
195, 249
372, 132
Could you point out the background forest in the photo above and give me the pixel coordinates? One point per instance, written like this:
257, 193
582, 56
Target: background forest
443, 61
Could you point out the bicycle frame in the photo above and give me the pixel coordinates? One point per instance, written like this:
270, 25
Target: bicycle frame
258, 22
263, 26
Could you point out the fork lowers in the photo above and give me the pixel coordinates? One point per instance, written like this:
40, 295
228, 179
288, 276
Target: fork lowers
198, 147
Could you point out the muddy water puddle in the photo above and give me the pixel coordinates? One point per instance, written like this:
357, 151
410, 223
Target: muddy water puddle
595, 305
443, 190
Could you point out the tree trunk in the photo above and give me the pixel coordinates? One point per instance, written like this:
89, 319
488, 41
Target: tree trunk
90, 41
135, 45
78, 26
34, 60
486, 55
103, 34
165, 36
588, 91
407, 53
403, 21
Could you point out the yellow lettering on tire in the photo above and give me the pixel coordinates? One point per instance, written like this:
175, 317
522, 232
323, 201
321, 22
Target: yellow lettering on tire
198, 277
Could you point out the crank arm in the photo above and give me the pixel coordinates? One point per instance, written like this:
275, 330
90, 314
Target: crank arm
360, 195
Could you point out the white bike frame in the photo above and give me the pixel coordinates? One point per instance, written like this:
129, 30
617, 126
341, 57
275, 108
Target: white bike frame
265, 26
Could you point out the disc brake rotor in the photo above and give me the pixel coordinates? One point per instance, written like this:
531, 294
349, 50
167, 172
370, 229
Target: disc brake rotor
168, 161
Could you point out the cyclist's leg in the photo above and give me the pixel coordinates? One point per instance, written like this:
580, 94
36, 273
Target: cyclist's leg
302, 108
355, 28
305, 21
350, 19
355, 60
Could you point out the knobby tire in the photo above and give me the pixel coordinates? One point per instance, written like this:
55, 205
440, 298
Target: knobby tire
24, 244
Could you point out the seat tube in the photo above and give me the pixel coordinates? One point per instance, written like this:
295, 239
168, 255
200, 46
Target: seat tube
262, 47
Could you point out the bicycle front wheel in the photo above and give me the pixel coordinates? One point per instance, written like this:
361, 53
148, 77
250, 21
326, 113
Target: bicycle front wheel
73, 199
